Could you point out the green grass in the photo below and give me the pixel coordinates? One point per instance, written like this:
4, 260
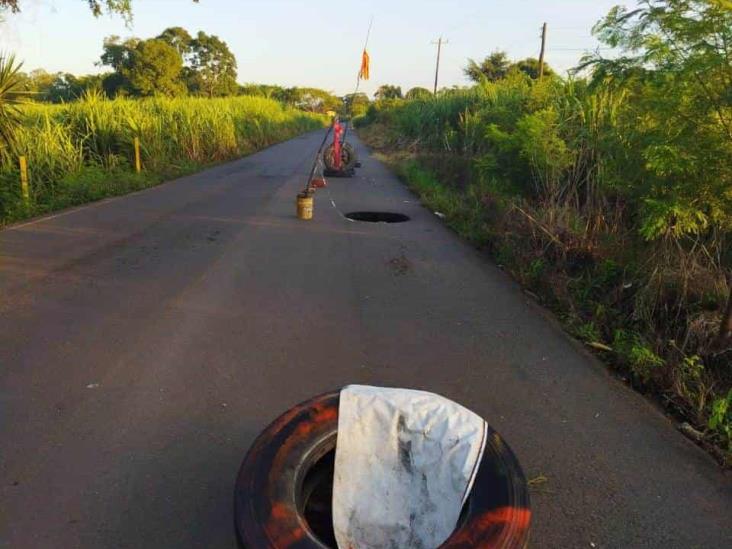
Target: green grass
83, 151
595, 298
462, 211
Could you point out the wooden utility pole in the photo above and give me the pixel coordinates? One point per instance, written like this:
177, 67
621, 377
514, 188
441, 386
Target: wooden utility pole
138, 163
24, 191
541, 55
439, 43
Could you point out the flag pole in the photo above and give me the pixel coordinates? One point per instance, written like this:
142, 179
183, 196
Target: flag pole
358, 77
365, 45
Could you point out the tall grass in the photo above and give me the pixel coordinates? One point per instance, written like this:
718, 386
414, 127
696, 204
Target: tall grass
84, 150
554, 179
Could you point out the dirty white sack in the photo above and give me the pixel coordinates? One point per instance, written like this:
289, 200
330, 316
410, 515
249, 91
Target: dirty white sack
405, 463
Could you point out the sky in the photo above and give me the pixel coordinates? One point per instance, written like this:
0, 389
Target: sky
318, 43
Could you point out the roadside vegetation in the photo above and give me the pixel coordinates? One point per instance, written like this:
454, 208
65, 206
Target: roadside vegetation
607, 194
84, 151
176, 93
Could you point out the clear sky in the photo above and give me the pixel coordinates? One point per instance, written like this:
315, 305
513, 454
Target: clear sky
318, 42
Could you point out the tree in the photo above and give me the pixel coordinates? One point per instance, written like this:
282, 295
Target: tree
115, 85
212, 70
142, 67
116, 53
121, 7
492, 68
310, 99
261, 90
418, 93
179, 38
530, 67
356, 104
204, 64
97, 7
11, 95
154, 67
675, 60
388, 91
497, 66
67, 87
36, 83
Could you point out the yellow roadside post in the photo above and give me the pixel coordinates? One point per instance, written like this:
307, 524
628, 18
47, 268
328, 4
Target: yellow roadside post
24, 191
138, 165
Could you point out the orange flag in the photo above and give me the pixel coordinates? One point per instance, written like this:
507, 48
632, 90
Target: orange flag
363, 74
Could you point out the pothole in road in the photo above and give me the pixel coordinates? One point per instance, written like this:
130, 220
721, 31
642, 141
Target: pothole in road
378, 217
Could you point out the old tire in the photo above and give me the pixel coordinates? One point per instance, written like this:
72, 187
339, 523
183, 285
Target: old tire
348, 157
274, 483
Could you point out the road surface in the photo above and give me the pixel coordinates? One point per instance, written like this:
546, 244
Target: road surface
146, 340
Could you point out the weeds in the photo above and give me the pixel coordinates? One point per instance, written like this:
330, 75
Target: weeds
720, 419
564, 187
83, 151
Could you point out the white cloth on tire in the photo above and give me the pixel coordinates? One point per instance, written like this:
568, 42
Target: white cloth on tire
405, 463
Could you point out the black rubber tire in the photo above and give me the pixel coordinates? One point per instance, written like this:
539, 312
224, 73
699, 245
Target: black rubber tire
348, 157
268, 508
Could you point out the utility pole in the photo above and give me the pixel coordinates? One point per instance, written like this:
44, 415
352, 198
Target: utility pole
439, 43
541, 55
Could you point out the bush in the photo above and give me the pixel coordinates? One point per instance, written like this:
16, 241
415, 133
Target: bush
720, 419
578, 198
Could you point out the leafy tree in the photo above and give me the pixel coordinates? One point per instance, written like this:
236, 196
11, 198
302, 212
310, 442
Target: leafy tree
179, 38
117, 53
154, 67
418, 93
114, 84
680, 41
141, 67
36, 83
212, 70
261, 90
288, 96
41, 79
530, 67
310, 99
452, 90
356, 104
57, 88
492, 68
121, 7
497, 66
388, 91
11, 5
67, 87
675, 61
11, 95
207, 66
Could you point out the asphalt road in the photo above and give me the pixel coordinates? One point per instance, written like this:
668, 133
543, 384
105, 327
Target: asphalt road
146, 340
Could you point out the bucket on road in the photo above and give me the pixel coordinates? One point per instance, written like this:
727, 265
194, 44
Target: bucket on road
305, 204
